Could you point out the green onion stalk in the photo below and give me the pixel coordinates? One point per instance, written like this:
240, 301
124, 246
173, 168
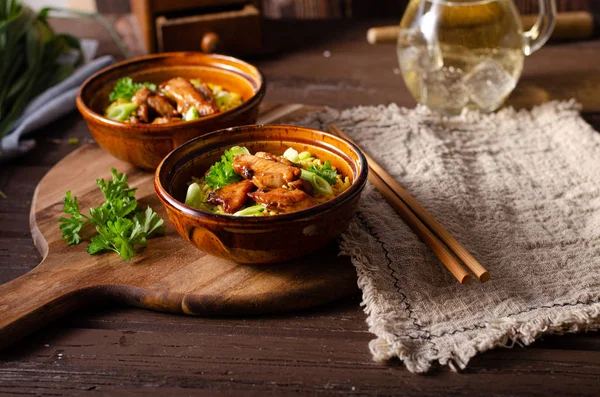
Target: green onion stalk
30, 56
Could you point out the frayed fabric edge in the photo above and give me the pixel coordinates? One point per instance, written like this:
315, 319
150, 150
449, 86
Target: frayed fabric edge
505, 332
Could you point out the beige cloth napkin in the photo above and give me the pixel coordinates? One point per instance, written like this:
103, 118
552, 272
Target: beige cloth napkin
520, 190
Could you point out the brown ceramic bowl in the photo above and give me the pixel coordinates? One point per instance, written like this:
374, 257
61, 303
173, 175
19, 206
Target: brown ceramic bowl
265, 239
145, 145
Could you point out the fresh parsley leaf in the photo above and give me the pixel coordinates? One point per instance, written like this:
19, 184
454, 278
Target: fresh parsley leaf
71, 226
121, 226
326, 172
221, 173
150, 223
117, 188
126, 88
115, 236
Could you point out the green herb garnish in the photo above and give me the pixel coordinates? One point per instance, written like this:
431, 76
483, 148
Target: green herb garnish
326, 172
319, 184
221, 173
119, 221
32, 58
126, 88
120, 111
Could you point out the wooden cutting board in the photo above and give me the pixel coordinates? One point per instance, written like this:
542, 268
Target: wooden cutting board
168, 275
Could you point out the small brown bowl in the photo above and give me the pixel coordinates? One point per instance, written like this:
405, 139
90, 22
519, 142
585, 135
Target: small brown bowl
265, 239
145, 145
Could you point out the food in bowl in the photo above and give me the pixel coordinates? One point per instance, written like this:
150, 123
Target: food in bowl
174, 100
261, 239
264, 183
145, 144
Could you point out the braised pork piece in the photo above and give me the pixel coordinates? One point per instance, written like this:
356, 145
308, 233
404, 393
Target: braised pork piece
187, 96
265, 173
174, 100
233, 196
283, 200
243, 184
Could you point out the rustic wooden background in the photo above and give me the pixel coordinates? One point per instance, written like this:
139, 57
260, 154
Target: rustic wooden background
356, 8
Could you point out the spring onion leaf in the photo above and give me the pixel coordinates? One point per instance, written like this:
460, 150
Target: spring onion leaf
319, 184
291, 155
32, 59
120, 224
326, 172
126, 88
120, 111
255, 210
221, 173
191, 114
194, 196
304, 155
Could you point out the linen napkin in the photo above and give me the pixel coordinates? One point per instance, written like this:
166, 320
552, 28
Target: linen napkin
50, 105
519, 189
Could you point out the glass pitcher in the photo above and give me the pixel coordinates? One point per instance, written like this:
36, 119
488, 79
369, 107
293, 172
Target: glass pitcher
467, 53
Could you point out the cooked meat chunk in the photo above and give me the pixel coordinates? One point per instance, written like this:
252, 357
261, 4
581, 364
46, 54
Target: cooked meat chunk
283, 200
269, 156
265, 173
142, 112
303, 185
133, 119
165, 120
207, 93
161, 105
184, 93
233, 196
141, 96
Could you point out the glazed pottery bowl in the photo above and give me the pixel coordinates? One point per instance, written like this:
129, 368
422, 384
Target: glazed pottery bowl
145, 145
263, 239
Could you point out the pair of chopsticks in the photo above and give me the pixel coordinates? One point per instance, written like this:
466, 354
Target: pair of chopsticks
433, 234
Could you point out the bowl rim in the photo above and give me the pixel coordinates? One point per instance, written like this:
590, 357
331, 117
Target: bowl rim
356, 187
99, 118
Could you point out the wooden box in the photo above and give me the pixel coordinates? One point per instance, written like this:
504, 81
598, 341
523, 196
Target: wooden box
229, 26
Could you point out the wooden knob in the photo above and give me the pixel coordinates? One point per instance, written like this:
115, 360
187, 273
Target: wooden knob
210, 42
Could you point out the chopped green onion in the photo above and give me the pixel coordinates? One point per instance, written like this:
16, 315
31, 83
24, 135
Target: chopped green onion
304, 155
255, 210
191, 114
120, 111
194, 196
319, 184
237, 150
291, 155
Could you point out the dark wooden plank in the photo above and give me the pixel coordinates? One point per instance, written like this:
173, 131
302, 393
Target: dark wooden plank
332, 361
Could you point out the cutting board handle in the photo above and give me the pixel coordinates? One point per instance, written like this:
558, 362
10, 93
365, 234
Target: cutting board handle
34, 299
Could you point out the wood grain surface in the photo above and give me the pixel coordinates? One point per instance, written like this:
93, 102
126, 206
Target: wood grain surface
168, 275
124, 351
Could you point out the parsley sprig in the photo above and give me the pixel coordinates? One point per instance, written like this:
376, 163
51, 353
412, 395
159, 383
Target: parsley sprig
221, 173
326, 172
119, 221
126, 88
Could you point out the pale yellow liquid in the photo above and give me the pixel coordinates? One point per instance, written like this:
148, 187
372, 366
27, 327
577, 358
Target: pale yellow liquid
460, 54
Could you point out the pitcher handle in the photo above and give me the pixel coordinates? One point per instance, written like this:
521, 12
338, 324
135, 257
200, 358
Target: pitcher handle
537, 36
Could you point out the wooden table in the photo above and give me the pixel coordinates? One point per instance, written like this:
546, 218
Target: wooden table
321, 351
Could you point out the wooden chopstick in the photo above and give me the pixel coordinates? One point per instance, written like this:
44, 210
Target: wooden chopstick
418, 218
438, 248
